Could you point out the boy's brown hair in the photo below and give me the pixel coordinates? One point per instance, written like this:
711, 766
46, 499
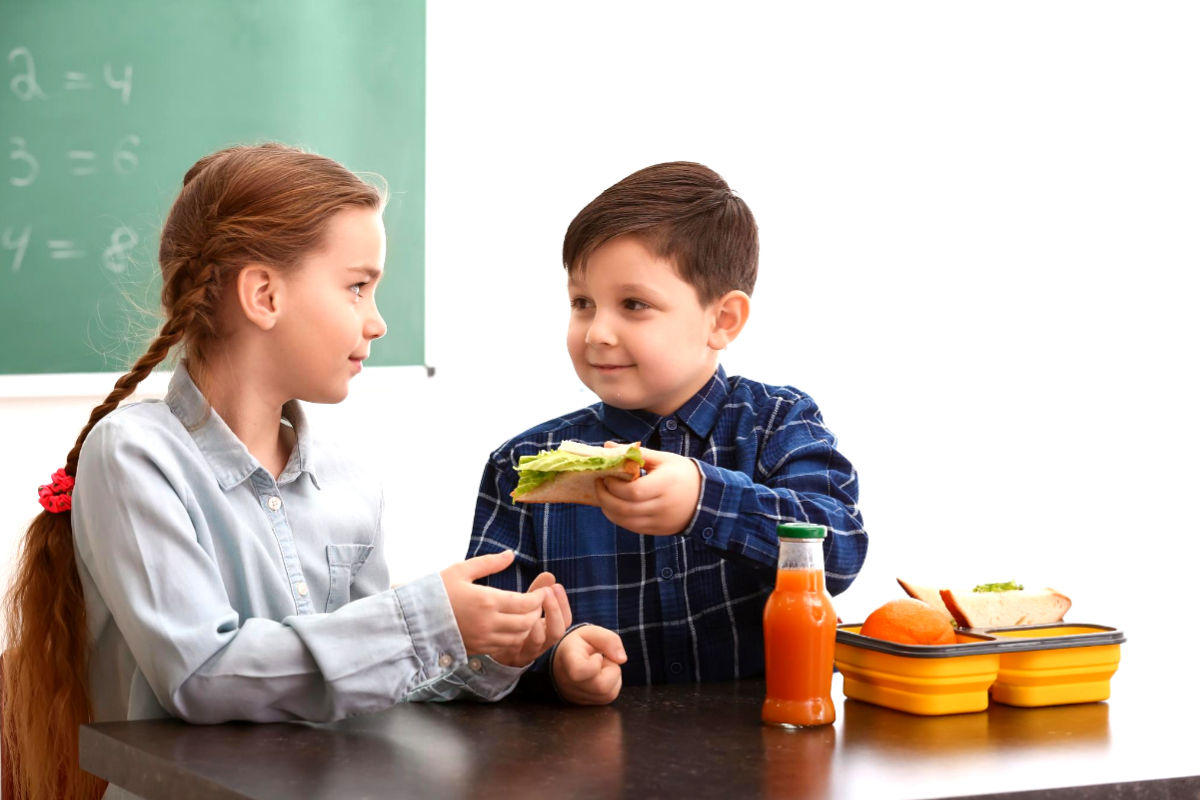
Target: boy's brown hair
681, 211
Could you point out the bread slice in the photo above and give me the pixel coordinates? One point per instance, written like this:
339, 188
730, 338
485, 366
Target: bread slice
579, 486
1005, 609
926, 594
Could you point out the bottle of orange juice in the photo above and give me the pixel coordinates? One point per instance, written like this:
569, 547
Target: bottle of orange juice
799, 627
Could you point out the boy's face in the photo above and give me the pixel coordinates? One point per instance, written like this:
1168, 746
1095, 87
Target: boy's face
638, 337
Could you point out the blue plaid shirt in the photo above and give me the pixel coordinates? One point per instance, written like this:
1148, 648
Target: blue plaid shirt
687, 607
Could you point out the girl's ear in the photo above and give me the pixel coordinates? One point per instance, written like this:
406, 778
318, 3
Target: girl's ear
259, 295
730, 312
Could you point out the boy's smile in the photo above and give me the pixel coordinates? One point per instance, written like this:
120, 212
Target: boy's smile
638, 336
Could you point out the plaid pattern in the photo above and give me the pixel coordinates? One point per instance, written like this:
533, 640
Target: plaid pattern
687, 607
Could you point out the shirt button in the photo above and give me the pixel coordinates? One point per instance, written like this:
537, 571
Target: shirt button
672, 425
302, 589
708, 533
676, 668
274, 503
446, 660
475, 664
667, 573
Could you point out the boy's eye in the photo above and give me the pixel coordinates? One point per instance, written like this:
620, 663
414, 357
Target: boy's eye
635, 305
580, 303
358, 288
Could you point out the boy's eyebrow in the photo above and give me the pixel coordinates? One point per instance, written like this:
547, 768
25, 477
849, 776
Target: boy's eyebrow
640, 289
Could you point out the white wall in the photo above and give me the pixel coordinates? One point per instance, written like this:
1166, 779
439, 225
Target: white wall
979, 241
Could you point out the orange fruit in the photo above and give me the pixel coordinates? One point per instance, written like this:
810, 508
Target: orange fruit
909, 621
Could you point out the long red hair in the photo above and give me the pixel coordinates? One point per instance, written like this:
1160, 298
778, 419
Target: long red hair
262, 204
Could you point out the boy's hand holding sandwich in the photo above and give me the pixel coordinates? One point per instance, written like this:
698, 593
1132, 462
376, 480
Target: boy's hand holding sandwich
661, 503
569, 473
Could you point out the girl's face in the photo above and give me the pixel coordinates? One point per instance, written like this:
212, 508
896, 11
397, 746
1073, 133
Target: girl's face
331, 318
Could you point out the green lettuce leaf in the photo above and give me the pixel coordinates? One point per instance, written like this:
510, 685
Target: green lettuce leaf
536, 470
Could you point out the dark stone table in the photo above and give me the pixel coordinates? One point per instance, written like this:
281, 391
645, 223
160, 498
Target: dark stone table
677, 741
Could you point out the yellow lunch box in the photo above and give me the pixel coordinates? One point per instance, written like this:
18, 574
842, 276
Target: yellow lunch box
1031, 665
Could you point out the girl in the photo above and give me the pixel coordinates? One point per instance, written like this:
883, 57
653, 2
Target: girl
204, 556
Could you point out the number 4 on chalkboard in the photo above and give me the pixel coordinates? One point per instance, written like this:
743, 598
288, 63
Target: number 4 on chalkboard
19, 245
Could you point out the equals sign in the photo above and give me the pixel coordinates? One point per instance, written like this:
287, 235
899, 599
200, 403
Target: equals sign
77, 80
84, 157
61, 248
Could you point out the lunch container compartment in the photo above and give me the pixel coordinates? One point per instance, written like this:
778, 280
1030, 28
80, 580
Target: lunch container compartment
1030, 665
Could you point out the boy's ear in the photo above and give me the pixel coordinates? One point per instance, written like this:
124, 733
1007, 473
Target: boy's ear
259, 295
731, 310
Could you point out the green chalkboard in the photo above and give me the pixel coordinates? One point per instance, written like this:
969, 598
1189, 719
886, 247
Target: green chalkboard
104, 106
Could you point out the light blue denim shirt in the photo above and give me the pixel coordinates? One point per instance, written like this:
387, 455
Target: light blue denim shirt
215, 592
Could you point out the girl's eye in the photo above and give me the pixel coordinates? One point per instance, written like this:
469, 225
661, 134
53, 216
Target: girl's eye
358, 288
635, 305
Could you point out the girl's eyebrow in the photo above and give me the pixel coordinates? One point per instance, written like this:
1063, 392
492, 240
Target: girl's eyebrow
372, 273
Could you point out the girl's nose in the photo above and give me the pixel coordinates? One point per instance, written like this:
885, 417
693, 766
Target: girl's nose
374, 327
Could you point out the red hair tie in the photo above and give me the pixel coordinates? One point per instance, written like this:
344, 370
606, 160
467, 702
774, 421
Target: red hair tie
55, 496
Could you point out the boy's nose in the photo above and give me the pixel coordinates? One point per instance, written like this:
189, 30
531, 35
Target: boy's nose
599, 332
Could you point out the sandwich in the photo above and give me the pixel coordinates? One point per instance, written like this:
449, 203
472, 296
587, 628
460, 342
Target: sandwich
569, 474
994, 605
926, 594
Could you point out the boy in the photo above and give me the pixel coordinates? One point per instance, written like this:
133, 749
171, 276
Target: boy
672, 570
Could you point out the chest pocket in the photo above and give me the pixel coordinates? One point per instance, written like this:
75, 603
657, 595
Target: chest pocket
345, 560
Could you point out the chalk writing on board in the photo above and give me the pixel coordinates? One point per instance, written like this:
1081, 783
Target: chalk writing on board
79, 161
18, 245
24, 84
125, 160
21, 154
116, 256
124, 85
74, 81
121, 244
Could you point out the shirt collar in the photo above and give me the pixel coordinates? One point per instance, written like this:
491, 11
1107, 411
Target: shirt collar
231, 462
699, 413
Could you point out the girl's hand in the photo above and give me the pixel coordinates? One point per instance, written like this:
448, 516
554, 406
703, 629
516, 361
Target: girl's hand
660, 503
556, 618
490, 620
587, 666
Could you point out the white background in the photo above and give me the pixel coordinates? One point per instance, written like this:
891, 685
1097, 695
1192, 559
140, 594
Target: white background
979, 229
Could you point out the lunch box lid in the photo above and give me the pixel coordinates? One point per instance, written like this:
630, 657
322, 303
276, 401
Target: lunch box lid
990, 640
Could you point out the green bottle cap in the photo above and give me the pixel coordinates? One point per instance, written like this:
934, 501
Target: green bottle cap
800, 530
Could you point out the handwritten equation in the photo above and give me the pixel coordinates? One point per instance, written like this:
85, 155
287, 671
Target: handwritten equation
28, 163
115, 256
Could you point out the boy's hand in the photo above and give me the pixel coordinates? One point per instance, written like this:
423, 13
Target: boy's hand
660, 503
587, 666
556, 618
490, 620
